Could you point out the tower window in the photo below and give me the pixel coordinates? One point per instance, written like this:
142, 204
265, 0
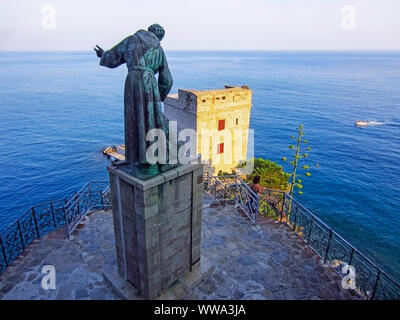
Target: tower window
221, 125
220, 148
237, 121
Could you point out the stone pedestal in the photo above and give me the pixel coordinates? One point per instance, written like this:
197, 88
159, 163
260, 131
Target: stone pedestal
157, 226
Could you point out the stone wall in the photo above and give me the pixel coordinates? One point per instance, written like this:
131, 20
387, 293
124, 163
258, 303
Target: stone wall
182, 108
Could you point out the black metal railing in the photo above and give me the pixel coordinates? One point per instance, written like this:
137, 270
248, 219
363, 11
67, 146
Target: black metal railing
35, 223
45, 218
370, 281
233, 188
92, 196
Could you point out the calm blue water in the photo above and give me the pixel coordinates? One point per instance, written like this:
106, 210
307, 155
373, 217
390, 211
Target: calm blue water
58, 110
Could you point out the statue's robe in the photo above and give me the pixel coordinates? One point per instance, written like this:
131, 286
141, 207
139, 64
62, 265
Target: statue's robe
144, 58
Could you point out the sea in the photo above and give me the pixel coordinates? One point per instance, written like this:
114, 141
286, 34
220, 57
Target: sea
58, 110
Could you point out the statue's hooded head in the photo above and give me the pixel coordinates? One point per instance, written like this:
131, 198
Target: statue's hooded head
157, 30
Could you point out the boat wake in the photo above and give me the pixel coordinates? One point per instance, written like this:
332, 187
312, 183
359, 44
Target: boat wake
375, 123
359, 123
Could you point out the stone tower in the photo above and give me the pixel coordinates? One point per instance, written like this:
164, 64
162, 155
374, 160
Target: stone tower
221, 119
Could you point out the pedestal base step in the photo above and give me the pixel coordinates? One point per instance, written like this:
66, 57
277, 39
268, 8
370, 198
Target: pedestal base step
178, 290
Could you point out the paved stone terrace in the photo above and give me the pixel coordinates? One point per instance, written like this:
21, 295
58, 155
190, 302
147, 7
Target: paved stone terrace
264, 262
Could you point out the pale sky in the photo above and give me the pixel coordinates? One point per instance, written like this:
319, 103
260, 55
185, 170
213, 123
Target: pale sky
203, 24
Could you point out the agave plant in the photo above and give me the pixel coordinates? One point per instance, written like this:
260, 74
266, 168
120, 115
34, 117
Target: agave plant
300, 144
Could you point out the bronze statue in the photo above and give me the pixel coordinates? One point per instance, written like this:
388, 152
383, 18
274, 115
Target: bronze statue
144, 58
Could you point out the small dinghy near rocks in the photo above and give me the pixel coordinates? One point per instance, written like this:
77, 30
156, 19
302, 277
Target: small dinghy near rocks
115, 153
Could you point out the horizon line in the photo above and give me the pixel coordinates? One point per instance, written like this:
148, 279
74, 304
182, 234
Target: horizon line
218, 50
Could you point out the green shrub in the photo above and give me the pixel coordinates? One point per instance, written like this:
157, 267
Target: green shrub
272, 174
266, 209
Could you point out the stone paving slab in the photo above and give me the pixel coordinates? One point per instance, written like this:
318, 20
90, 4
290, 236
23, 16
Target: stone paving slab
78, 263
177, 291
268, 261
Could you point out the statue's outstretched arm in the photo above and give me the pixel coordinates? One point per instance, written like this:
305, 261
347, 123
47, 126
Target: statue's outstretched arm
114, 57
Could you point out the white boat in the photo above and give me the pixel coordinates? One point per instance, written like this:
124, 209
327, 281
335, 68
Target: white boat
360, 123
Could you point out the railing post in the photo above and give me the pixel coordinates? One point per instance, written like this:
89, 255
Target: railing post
102, 200
236, 189
36, 225
328, 246
376, 285
78, 208
52, 214
90, 197
20, 234
351, 256
283, 206
3, 251
257, 208
66, 219
311, 225
295, 218
215, 188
